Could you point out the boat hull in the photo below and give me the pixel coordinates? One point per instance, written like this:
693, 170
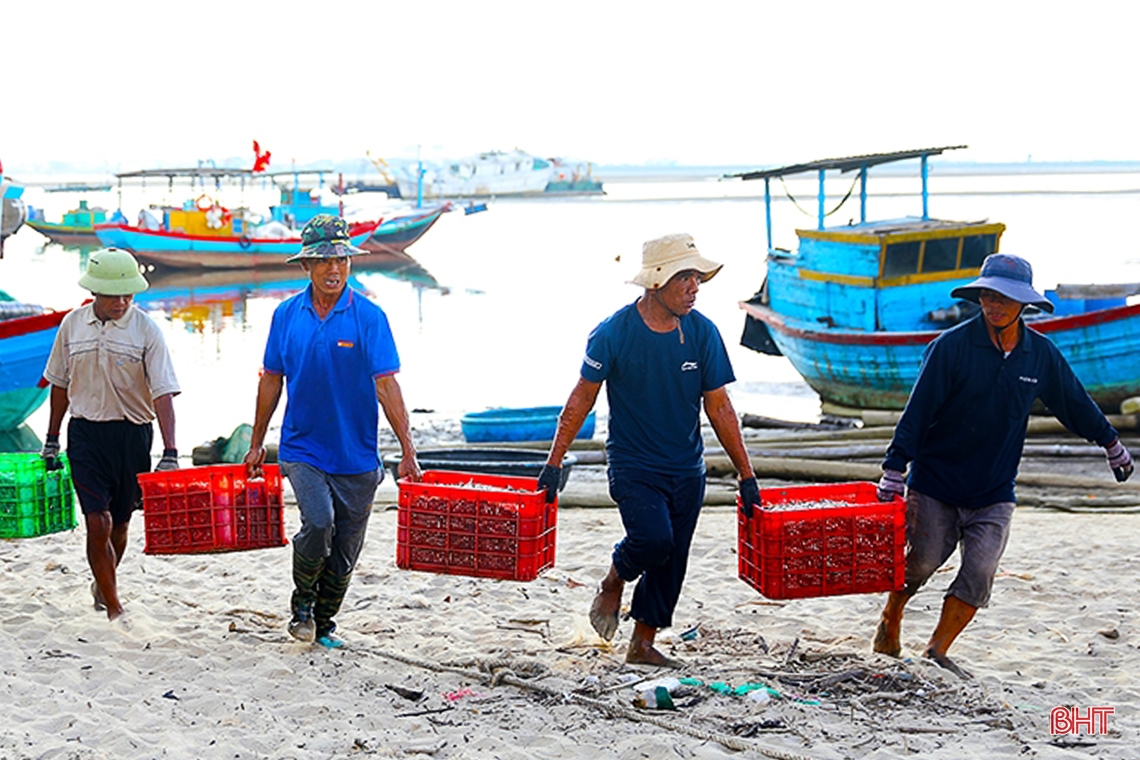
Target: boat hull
65, 234
25, 344
876, 370
394, 235
176, 249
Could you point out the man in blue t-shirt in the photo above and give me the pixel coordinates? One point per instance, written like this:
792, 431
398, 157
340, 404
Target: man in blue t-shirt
660, 361
333, 349
962, 432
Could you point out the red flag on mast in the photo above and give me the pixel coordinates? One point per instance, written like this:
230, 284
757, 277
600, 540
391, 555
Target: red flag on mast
261, 160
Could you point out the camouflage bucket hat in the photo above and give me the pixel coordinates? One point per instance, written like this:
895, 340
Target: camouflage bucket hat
325, 237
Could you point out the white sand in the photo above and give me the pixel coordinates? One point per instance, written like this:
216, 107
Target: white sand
203, 667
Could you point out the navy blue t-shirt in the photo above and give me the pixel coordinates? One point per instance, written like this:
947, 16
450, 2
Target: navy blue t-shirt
964, 424
654, 384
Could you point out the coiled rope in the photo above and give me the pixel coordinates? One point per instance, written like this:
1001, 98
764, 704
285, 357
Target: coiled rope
498, 671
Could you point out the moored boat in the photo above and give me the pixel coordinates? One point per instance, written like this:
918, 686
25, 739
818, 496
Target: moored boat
397, 233
494, 173
854, 306
76, 228
27, 332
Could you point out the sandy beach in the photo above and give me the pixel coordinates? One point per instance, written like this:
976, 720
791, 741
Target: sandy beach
447, 666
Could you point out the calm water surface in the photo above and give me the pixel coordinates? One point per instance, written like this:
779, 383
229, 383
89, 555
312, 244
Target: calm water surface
498, 311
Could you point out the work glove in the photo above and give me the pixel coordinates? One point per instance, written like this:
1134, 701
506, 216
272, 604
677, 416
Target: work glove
549, 480
749, 497
890, 485
1119, 460
168, 462
50, 452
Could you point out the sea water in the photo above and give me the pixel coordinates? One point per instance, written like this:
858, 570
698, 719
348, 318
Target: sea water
498, 312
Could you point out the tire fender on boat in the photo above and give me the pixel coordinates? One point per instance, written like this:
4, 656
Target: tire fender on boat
244, 241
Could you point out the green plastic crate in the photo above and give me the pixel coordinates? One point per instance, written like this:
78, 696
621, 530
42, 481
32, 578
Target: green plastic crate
33, 501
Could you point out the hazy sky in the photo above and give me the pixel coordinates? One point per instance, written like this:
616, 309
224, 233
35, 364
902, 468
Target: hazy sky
126, 85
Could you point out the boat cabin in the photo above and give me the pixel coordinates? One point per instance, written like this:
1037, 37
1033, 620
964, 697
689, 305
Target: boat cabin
894, 275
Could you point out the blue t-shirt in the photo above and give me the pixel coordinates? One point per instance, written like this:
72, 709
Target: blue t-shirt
330, 366
964, 424
654, 383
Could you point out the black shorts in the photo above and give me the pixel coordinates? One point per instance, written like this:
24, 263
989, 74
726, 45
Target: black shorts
106, 458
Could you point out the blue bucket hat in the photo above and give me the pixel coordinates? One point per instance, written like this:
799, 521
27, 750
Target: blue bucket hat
325, 237
1006, 274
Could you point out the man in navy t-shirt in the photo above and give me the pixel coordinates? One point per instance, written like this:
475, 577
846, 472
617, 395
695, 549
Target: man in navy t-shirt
661, 361
962, 433
334, 350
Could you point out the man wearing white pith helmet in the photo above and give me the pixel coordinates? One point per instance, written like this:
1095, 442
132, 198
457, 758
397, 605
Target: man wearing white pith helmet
661, 362
110, 368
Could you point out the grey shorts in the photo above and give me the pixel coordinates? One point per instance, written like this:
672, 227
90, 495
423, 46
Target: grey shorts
934, 529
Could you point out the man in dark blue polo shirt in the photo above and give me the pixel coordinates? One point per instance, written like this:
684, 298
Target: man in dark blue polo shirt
661, 361
962, 433
334, 349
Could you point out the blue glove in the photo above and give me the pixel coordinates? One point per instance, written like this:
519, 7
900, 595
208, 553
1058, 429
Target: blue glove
1119, 460
168, 462
890, 485
749, 497
549, 480
50, 452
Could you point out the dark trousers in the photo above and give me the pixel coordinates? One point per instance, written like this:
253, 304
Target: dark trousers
105, 459
659, 513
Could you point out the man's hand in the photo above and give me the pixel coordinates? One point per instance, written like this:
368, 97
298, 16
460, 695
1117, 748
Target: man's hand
890, 485
168, 462
549, 480
749, 496
50, 452
254, 459
1119, 460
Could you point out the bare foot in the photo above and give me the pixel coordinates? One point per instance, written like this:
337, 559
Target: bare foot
650, 655
887, 640
947, 663
97, 595
606, 606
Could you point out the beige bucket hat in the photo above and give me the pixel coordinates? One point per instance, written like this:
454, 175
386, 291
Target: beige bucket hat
666, 256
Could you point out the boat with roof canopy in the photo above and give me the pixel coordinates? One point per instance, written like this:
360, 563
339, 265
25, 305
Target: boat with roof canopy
855, 305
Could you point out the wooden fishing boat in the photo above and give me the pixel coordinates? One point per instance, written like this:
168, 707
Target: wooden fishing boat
396, 234
27, 332
221, 247
854, 306
76, 228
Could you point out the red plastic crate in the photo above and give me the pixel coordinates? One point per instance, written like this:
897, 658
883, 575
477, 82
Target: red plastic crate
465, 523
792, 549
212, 509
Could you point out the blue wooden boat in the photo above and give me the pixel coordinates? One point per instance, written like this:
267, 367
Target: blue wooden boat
26, 336
396, 234
854, 306
535, 423
77, 227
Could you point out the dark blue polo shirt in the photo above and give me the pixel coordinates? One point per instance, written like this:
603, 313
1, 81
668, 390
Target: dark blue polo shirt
330, 366
964, 425
654, 386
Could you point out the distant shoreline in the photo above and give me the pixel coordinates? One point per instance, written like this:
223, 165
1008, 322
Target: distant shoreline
669, 173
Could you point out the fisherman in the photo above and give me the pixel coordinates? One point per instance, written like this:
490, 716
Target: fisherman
333, 349
962, 433
660, 360
109, 366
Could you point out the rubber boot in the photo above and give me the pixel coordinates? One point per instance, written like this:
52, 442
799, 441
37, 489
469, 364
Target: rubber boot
330, 593
306, 575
